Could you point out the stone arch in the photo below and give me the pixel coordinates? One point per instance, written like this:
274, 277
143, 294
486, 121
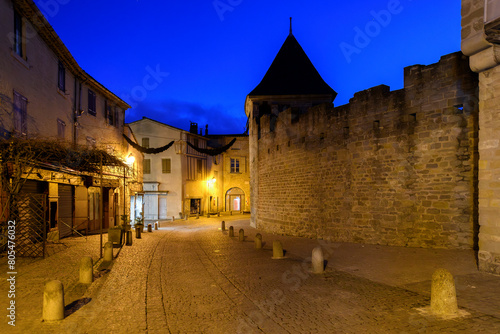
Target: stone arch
235, 199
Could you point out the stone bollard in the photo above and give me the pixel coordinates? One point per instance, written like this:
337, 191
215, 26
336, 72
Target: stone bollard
241, 235
150, 228
197, 216
86, 270
108, 252
443, 293
53, 301
318, 261
156, 226
277, 250
129, 238
258, 241
218, 213
231, 231
223, 226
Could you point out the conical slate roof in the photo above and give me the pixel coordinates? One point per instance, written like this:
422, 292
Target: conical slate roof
292, 73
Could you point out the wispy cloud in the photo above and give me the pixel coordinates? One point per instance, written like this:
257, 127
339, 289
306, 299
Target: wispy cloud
179, 114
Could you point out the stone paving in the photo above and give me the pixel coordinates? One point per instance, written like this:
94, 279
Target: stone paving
190, 277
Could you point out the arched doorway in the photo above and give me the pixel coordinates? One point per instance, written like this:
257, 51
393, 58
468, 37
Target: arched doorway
235, 199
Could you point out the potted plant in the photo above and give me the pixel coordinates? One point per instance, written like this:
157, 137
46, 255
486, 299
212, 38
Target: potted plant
125, 223
139, 225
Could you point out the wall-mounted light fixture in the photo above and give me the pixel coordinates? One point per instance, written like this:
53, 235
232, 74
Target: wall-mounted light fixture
130, 159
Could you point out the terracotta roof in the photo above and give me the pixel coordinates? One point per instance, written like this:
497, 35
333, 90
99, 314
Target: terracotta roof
292, 73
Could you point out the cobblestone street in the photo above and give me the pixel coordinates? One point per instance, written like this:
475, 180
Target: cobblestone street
190, 277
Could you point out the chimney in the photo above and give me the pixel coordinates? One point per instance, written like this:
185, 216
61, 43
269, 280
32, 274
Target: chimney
193, 128
206, 130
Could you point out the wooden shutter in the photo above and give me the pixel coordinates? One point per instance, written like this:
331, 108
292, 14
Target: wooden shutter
147, 166
65, 210
165, 166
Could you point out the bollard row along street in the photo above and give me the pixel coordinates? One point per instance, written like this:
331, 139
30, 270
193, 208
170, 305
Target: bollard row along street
195, 277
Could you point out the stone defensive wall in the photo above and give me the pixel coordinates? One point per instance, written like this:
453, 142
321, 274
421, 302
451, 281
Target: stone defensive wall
391, 167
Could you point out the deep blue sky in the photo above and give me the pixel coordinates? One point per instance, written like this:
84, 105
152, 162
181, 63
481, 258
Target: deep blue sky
206, 60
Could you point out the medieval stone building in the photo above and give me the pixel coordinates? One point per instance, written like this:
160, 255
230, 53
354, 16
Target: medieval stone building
391, 167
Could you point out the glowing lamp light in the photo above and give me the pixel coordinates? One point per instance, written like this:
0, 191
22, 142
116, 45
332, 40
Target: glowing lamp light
130, 159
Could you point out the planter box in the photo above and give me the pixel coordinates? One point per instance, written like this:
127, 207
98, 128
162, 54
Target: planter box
115, 235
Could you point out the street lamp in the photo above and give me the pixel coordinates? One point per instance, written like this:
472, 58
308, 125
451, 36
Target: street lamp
130, 159
179, 146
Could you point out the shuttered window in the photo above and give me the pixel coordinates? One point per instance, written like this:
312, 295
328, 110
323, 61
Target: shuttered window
117, 117
20, 109
92, 103
165, 166
199, 169
18, 34
147, 166
61, 129
145, 142
61, 77
111, 114
196, 168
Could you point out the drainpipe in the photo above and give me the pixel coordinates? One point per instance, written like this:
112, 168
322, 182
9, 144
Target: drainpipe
77, 110
75, 117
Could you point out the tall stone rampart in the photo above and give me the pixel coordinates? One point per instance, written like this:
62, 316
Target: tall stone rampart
391, 167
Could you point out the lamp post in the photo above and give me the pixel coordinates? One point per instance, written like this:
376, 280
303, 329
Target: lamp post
130, 161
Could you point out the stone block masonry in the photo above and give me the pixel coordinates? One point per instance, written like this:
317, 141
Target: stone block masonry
489, 171
391, 167
480, 43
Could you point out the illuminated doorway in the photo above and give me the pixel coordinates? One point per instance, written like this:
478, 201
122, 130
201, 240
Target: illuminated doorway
195, 206
235, 199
